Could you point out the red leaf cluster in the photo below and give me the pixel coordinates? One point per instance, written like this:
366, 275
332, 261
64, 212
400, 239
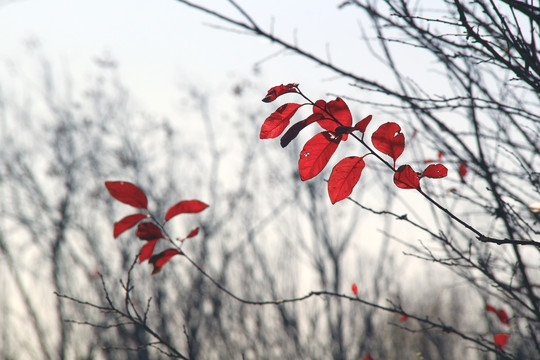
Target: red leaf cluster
336, 119
149, 231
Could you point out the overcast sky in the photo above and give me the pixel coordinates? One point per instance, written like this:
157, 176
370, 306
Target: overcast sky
160, 45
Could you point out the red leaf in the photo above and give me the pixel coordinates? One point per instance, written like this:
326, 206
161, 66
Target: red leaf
367, 357
362, 124
316, 154
126, 223
462, 170
186, 206
274, 125
503, 317
403, 318
162, 258
149, 231
276, 91
406, 178
501, 339
344, 177
344, 130
147, 250
127, 193
389, 140
296, 128
354, 289
440, 155
193, 233
435, 171
501, 314
336, 113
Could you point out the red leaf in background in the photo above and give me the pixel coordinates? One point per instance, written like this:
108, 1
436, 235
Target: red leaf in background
354, 289
403, 318
296, 128
367, 357
362, 124
316, 154
440, 155
435, 171
126, 223
462, 170
127, 193
162, 258
344, 177
503, 317
276, 91
186, 206
389, 140
338, 110
274, 125
149, 231
406, 178
501, 339
501, 314
147, 250
193, 233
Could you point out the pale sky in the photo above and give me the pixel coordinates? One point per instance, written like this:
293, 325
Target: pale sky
161, 44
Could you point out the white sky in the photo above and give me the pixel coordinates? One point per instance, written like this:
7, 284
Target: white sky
161, 44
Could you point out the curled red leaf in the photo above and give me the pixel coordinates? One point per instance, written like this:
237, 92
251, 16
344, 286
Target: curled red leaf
344, 177
127, 193
186, 206
403, 318
162, 258
147, 250
149, 231
406, 178
126, 223
389, 140
294, 130
279, 90
435, 171
316, 154
274, 125
344, 130
501, 339
354, 289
